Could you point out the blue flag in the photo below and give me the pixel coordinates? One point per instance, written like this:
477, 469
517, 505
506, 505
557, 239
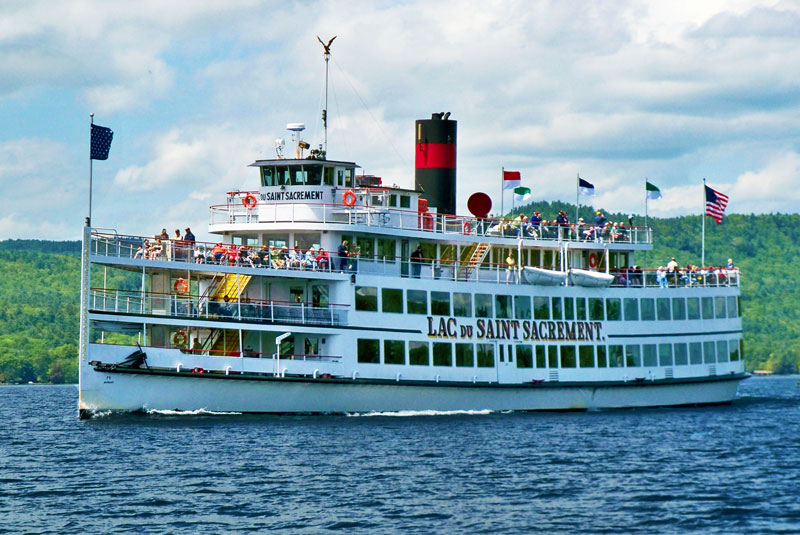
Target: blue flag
101, 142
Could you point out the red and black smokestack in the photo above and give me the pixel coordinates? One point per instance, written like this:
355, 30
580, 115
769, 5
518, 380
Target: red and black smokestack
436, 161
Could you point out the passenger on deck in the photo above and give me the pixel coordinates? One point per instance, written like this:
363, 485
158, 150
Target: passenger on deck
295, 258
263, 256
143, 251
599, 223
199, 256
285, 256
311, 259
218, 252
323, 260
661, 277
511, 268
343, 253
244, 256
275, 257
416, 262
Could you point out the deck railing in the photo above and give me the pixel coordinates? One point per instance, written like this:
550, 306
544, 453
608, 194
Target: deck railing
129, 247
397, 218
195, 307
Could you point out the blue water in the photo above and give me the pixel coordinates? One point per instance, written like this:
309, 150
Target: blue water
729, 469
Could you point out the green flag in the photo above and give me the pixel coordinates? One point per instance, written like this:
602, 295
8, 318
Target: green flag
522, 194
652, 191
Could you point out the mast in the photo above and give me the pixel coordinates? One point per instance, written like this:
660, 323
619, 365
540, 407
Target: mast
703, 218
327, 55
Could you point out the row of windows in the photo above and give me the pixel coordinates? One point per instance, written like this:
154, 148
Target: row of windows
557, 308
549, 356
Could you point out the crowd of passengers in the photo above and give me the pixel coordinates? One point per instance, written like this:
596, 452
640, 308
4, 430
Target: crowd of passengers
676, 276
599, 230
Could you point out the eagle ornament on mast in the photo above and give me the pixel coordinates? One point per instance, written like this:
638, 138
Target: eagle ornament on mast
327, 55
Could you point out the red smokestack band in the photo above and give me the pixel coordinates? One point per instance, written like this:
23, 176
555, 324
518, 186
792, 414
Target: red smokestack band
435, 156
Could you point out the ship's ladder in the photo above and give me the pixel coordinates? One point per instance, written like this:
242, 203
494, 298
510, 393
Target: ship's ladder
476, 255
225, 344
230, 288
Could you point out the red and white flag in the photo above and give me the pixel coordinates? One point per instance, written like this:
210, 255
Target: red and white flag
511, 179
715, 204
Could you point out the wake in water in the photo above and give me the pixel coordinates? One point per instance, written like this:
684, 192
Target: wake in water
198, 412
419, 413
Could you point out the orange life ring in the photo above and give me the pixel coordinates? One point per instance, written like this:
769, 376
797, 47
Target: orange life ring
593, 260
250, 201
181, 286
349, 198
179, 339
467, 228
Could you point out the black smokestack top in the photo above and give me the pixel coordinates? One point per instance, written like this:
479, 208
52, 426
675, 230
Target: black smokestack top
435, 161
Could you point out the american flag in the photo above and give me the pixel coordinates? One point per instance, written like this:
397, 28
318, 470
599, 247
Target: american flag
715, 204
101, 142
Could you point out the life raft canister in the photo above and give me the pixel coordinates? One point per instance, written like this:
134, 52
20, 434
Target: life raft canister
250, 201
179, 339
349, 198
198, 369
593, 260
467, 228
181, 286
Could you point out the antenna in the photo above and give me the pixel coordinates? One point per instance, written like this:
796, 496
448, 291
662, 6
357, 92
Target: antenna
327, 55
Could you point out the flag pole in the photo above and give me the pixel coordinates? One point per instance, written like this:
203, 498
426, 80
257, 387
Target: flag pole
91, 122
577, 198
645, 217
502, 190
703, 217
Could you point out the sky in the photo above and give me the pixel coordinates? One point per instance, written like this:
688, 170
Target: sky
618, 91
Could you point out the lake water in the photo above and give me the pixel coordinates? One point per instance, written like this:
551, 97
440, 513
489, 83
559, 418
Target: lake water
729, 469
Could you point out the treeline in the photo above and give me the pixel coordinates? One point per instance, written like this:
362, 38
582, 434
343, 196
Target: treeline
40, 287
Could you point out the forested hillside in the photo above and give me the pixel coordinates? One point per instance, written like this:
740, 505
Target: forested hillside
39, 289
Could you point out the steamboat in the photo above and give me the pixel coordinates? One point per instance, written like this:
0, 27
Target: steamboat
329, 291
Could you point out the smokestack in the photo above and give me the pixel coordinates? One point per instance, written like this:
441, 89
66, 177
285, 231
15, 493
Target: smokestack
435, 161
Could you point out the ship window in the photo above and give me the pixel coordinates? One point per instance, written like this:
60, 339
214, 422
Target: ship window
681, 355
267, 176
307, 240
483, 306
296, 176
569, 308
567, 356
348, 178
633, 356
678, 308
695, 353
522, 307
364, 247
556, 306
281, 176
552, 356
524, 356
665, 354
440, 303
734, 349
586, 356
649, 355
631, 309
719, 306
313, 175
707, 306
485, 355
615, 356
465, 356
368, 351
394, 352
418, 353
541, 308
246, 239
595, 309
417, 302
503, 306
580, 309
392, 300
319, 295
340, 177
722, 351
405, 201
708, 353
386, 249
367, 298
741, 349
541, 359
462, 305
647, 309
732, 312
328, 176
693, 308
547, 261
601, 357
613, 309
277, 240
393, 200
662, 307
442, 354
